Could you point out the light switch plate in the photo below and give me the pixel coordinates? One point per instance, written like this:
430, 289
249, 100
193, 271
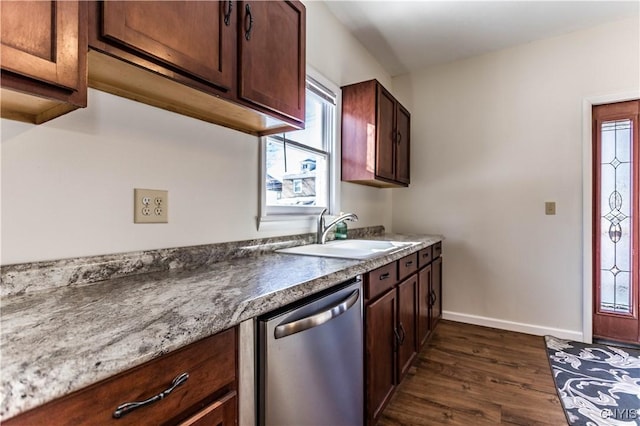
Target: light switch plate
550, 208
150, 206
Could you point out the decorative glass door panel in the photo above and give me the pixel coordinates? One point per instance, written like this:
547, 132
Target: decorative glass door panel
616, 200
615, 226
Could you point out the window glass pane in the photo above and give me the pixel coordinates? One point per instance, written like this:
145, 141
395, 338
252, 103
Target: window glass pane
295, 176
616, 199
312, 135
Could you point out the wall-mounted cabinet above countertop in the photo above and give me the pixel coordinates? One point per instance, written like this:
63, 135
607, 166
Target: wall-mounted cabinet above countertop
240, 64
376, 136
43, 54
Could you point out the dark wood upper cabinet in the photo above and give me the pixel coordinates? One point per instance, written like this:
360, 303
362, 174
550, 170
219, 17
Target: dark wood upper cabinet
385, 135
43, 58
376, 135
237, 64
197, 38
403, 144
272, 56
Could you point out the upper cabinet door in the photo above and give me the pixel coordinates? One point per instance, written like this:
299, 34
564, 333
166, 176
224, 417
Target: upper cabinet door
195, 37
385, 153
403, 143
40, 40
272, 56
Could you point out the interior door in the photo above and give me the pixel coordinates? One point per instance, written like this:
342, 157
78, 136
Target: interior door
615, 221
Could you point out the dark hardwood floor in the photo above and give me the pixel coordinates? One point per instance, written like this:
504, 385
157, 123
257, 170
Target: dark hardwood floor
469, 375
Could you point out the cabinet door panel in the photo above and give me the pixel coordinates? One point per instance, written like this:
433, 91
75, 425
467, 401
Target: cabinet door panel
436, 286
424, 288
40, 40
385, 153
407, 311
191, 36
403, 143
381, 343
272, 56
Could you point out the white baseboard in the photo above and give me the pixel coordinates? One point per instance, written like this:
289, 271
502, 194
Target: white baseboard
537, 330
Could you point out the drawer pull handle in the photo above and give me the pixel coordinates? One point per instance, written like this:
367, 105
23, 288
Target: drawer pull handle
384, 276
409, 263
127, 407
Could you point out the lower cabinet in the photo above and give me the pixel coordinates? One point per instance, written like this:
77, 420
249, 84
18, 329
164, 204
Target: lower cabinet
403, 305
380, 318
208, 396
436, 292
406, 329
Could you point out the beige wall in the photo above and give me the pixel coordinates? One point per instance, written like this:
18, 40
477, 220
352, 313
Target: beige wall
494, 137
67, 185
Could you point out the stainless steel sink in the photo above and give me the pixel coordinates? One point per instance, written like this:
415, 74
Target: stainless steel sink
349, 249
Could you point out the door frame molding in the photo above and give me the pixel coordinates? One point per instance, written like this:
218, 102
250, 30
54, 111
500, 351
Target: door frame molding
587, 203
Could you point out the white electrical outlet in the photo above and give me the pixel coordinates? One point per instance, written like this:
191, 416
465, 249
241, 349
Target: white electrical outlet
150, 206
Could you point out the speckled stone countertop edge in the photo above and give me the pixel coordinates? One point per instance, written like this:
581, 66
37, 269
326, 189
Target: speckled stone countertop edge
62, 340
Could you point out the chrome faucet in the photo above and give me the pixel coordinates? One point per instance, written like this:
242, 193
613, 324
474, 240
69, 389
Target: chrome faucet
321, 235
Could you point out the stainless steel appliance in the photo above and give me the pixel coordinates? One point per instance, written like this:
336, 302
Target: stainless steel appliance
310, 369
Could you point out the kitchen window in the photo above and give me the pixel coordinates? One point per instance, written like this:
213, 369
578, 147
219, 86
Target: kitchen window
299, 168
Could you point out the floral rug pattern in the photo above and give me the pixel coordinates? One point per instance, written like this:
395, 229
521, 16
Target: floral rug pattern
598, 385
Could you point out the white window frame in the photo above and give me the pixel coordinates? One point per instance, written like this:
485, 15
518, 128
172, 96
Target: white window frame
295, 218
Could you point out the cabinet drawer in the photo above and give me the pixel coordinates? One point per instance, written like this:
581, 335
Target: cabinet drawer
381, 280
424, 257
220, 413
407, 265
437, 249
210, 363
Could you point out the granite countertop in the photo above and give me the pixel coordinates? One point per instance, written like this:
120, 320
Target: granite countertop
62, 339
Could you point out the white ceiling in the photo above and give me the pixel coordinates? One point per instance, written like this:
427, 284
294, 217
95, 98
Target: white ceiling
405, 36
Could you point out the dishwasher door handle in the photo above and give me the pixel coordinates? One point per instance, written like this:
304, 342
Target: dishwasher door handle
284, 330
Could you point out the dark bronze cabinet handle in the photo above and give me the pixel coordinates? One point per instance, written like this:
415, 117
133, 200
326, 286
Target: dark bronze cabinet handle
403, 335
227, 13
127, 407
433, 298
395, 331
408, 263
399, 138
384, 276
248, 17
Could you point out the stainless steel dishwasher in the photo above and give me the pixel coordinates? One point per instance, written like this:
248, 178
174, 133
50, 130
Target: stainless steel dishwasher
310, 360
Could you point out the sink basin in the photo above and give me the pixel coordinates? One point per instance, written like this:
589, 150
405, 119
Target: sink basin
349, 249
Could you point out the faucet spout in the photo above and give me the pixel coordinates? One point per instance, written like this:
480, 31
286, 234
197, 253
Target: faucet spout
321, 234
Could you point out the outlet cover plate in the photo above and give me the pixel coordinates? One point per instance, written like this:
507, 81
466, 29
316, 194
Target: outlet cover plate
550, 208
150, 206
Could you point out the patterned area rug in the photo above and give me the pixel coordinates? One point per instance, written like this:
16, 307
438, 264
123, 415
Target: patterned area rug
597, 384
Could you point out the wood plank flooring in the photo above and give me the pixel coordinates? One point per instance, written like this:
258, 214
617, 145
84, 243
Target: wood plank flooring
471, 376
